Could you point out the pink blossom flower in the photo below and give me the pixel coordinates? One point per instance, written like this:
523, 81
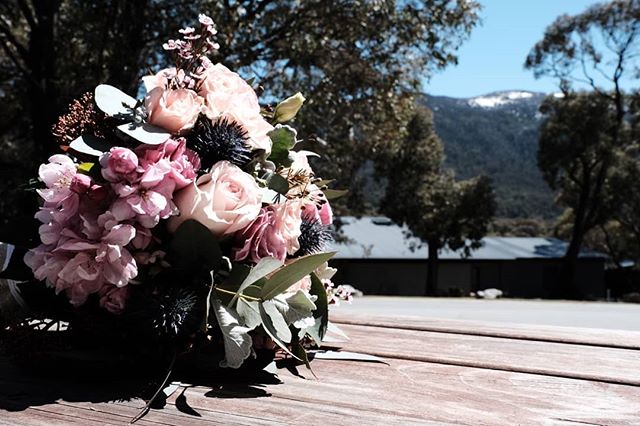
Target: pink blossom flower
326, 214
180, 162
174, 110
57, 175
146, 258
187, 30
142, 239
119, 164
113, 298
63, 186
316, 205
80, 184
226, 200
45, 264
145, 193
83, 257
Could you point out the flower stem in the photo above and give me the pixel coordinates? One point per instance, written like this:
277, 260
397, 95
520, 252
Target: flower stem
240, 295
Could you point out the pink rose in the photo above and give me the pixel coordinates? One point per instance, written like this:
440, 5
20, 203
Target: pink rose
260, 239
173, 110
221, 79
274, 233
225, 200
161, 79
227, 94
288, 222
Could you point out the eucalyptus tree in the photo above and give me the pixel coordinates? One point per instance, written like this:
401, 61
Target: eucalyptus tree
436, 208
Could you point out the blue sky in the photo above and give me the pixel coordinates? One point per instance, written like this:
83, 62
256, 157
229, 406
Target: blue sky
493, 57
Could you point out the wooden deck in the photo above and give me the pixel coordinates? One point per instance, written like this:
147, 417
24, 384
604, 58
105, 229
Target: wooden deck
436, 372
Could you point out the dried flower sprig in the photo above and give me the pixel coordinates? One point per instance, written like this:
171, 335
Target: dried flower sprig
189, 53
83, 118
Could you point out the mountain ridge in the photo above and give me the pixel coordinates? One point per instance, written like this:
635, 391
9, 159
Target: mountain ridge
496, 134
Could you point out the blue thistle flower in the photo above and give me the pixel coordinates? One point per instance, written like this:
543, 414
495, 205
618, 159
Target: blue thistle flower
314, 237
219, 140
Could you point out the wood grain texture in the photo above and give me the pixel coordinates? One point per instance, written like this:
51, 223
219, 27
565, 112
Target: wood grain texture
438, 372
575, 335
612, 365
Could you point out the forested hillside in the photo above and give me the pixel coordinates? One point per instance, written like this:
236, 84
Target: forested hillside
496, 134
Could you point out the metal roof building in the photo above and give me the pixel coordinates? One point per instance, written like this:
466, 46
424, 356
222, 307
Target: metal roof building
380, 257
380, 238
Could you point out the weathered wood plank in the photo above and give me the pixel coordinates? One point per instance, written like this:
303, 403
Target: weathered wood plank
448, 375
407, 392
622, 339
558, 359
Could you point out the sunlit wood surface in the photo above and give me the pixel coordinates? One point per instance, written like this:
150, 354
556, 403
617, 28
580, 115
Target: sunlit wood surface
436, 372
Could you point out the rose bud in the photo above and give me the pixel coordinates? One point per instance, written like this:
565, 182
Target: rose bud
288, 108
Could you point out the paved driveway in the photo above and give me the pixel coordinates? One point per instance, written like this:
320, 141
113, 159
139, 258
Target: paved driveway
623, 316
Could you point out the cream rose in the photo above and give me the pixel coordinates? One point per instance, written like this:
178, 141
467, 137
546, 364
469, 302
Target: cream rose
227, 94
160, 79
225, 200
173, 110
287, 109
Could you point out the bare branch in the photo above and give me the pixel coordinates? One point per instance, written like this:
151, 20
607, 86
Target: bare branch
16, 61
28, 15
5, 29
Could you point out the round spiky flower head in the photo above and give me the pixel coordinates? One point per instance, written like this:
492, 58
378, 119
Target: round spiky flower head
219, 140
179, 312
314, 237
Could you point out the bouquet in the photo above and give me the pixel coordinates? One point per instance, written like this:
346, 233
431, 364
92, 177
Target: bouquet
185, 220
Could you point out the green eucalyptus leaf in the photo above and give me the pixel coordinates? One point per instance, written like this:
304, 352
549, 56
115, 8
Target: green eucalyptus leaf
300, 352
321, 314
283, 138
298, 309
348, 356
264, 267
334, 329
194, 248
113, 101
255, 290
237, 341
290, 274
278, 184
249, 312
269, 328
331, 194
278, 321
239, 273
144, 132
324, 182
90, 145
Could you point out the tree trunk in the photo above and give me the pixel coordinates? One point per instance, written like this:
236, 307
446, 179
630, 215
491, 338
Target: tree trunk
567, 288
432, 268
42, 91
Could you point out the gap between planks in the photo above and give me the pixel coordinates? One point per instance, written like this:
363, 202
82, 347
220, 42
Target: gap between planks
513, 334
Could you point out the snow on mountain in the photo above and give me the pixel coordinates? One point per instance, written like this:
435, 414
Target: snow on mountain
495, 99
